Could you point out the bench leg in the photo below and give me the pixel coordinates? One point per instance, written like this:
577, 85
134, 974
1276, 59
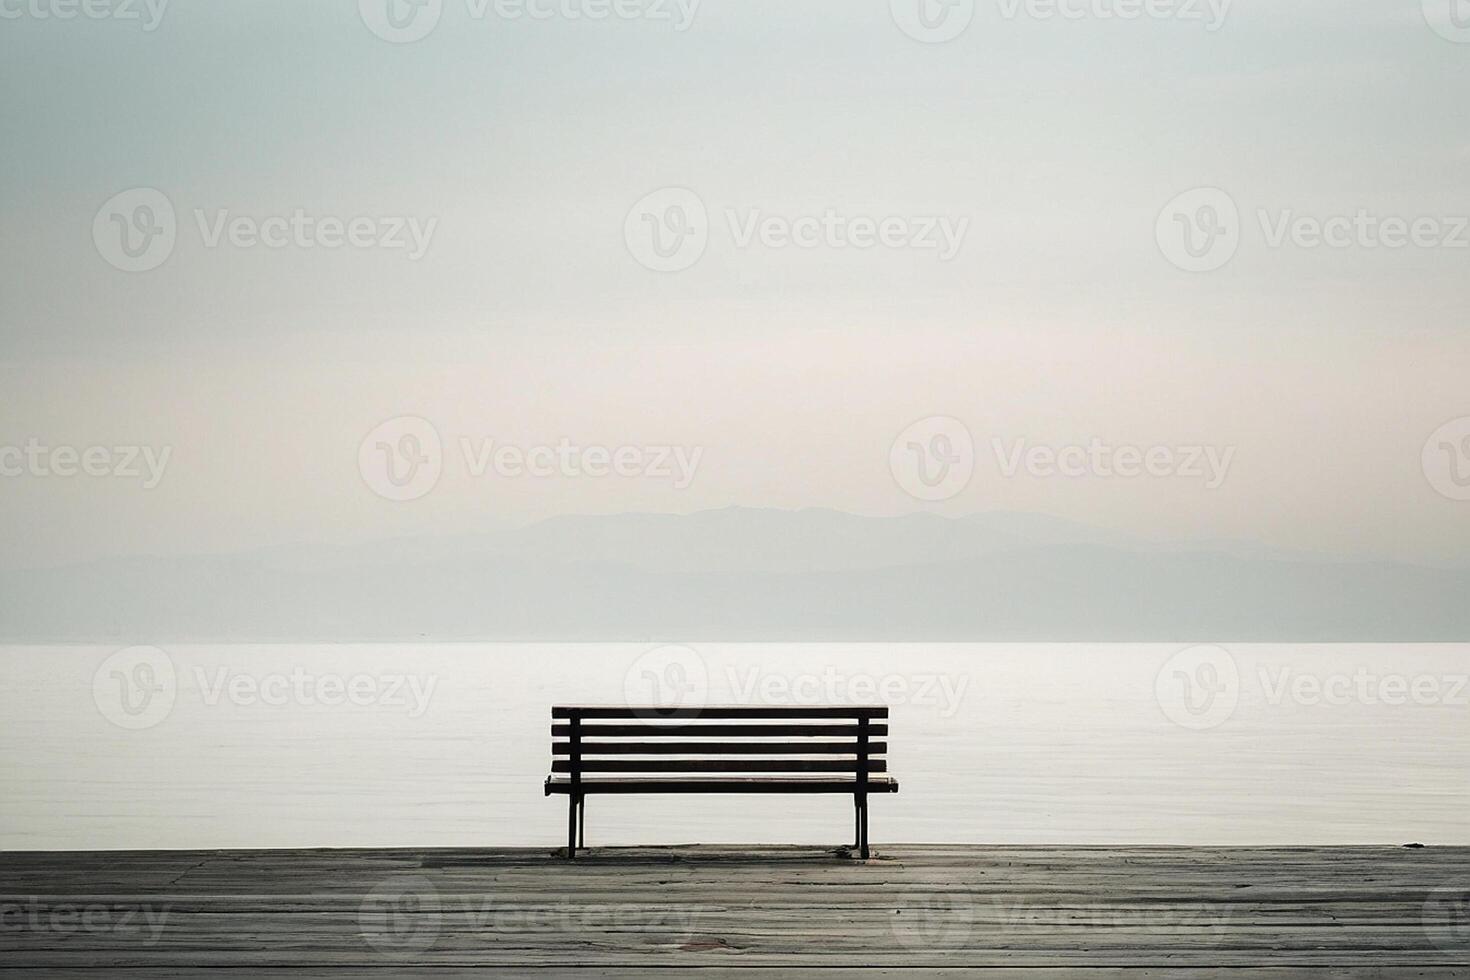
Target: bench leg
863, 829
571, 828
582, 823
857, 824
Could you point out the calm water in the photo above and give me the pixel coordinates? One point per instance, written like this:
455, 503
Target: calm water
448, 744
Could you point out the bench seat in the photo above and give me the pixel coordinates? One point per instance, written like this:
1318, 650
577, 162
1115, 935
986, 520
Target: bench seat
720, 784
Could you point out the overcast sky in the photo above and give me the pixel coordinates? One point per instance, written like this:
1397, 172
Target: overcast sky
520, 149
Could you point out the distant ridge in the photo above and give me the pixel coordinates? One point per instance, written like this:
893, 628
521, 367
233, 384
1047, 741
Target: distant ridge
743, 574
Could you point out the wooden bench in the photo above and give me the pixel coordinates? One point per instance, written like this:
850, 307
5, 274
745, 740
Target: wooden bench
697, 750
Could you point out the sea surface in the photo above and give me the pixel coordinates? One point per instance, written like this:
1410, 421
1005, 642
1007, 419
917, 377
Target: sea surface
448, 744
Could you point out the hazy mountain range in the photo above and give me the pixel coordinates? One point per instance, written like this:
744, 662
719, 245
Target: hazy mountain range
743, 574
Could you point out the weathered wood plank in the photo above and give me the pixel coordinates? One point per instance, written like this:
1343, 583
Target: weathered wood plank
824, 973
929, 910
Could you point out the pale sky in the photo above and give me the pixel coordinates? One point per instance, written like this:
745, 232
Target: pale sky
529, 319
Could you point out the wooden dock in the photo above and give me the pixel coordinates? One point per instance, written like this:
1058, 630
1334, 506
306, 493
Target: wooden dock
912, 910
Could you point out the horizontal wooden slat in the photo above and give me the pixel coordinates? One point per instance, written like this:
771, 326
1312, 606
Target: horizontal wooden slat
718, 765
722, 784
720, 711
707, 731
676, 747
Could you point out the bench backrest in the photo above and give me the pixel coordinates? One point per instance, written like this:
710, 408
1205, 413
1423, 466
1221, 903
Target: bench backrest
648, 740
